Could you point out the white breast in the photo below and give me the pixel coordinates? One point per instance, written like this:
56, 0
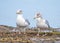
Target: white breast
41, 23
21, 21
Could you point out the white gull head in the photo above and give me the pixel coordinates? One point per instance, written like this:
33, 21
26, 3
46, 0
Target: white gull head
19, 11
38, 15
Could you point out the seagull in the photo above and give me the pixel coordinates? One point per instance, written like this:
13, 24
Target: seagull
21, 22
40, 22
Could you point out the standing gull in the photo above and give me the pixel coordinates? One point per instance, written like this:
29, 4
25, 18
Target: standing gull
41, 23
21, 22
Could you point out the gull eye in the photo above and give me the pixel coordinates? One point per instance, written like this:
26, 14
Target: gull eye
38, 14
20, 10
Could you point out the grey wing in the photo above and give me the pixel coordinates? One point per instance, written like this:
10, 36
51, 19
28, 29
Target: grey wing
47, 23
27, 21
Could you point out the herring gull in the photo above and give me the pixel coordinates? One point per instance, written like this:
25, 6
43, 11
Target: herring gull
21, 22
41, 23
